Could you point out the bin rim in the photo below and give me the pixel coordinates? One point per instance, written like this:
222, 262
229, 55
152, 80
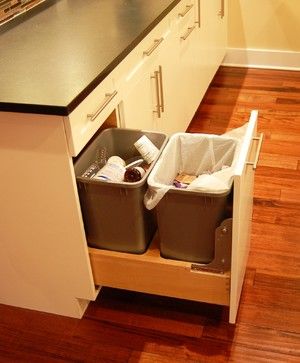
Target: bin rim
124, 184
174, 190
171, 187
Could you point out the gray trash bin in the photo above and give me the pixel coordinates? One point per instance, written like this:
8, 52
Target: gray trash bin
187, 219
187, 222
113, 213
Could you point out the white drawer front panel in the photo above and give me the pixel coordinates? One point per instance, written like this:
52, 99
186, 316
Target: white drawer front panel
86, 119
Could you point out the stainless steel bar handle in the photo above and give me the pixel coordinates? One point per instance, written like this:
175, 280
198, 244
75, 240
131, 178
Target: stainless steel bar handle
188, 32
155, 44
162, 101
156, 78
198, 21
222, 9
186, 10
260, 141
106, 101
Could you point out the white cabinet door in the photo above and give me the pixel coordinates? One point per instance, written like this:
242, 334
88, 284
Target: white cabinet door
213, 15
143, 100
243, 182
138, 106
220, 31
171, 117
202, 50
186, 38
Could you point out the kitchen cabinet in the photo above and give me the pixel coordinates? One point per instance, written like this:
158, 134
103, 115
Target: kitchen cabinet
44, 257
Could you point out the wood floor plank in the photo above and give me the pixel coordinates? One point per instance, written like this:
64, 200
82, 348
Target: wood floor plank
282, 282
272, 295
278, 239
287, 214
290, 194
279, 160
274, 263
253, 338
271, 318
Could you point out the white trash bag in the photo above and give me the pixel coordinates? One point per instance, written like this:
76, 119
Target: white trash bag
211, 158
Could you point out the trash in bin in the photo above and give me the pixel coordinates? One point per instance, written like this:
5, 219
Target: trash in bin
188, 214
114, 214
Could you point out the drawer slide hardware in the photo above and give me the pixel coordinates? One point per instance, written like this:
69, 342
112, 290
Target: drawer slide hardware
222, 261
106, 101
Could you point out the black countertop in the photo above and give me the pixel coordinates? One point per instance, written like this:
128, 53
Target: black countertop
53, 56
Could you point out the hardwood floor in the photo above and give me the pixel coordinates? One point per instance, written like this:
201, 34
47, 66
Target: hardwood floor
131, 327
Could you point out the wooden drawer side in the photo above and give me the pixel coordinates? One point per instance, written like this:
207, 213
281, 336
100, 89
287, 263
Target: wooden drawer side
153, 274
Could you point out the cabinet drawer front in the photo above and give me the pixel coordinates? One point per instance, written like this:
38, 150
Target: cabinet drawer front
186, 20
243, 182
142, 57
86, 119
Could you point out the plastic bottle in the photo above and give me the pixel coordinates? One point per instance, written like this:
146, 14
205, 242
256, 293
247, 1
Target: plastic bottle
134, 174
146, 148
112, 171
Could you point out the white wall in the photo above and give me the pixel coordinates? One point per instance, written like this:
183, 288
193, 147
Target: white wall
270, 27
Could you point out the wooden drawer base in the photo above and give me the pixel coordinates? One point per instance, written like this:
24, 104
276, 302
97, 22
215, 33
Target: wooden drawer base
150, 273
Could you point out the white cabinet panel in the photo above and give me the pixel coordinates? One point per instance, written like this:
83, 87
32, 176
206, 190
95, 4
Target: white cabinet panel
43, 251
86, 119
214, 25
242, 214
138, 106
144, 95
189, 74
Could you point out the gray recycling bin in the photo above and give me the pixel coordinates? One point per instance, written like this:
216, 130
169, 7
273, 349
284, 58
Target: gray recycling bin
114, 215
187, 219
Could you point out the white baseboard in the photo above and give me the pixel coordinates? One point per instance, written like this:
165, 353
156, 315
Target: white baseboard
262, 58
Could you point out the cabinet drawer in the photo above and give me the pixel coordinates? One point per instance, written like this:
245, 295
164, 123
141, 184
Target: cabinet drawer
140, 59
86, 119
186, 20
153, 274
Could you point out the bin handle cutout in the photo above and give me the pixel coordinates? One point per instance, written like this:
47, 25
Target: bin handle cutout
260, 141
